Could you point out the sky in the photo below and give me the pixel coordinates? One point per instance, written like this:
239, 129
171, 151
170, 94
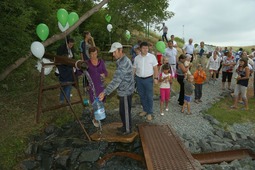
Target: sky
216, 22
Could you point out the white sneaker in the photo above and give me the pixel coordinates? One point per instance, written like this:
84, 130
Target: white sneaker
167, 109
162, 114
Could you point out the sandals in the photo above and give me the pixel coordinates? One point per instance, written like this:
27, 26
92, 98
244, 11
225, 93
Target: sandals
233, 107
245, 109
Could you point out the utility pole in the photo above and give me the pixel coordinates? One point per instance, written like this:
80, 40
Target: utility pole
183, 33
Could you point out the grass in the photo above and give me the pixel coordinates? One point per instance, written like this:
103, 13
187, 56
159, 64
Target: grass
223, 113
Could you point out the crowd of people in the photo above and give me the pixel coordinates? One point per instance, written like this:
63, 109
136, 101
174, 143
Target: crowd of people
191, 68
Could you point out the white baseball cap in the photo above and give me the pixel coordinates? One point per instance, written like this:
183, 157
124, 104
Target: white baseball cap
115, 46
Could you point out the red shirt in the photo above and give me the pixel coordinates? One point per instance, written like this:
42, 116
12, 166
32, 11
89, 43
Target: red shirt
159, 58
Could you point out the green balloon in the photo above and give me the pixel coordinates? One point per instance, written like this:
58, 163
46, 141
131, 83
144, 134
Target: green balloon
62, 16
73, 17
128, 36
42, 30
161, 46
108, 18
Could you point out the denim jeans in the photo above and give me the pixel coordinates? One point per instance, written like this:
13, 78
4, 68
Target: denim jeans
164, 37
67, 90
198, 91
145, 91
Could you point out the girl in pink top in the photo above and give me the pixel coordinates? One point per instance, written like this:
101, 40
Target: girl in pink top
165, 80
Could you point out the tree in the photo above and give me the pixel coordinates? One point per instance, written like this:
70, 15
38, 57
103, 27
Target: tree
54, 38
132, 14
20, 18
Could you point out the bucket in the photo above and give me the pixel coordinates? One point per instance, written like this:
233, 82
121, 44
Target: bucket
86, 102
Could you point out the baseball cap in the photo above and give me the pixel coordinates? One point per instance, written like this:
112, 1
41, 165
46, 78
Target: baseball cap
115, 46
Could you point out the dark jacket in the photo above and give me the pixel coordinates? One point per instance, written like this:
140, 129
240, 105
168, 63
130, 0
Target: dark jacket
65, 71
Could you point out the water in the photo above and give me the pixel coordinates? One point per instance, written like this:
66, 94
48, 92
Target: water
91, 84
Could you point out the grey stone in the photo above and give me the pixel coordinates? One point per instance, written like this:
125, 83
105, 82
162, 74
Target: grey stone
236, 146
46, 161
228, 144
246, 144
240, 135
49, 129
251, 138
77, 143
74, 155
247, 163
205, 147
213, 138
236, 164
63, 162
89, 156
219, 133
47, 147
218, 146
29, 165
215, 121
30, 149
230, 135
59, 142
87, 166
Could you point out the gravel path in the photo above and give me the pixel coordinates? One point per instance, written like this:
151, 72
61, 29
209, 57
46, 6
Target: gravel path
195, 126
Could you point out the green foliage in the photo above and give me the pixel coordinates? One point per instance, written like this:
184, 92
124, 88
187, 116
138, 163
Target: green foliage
15, 31
128, 15
179, 41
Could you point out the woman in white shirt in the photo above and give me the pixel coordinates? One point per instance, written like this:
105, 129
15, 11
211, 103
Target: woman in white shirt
213, 65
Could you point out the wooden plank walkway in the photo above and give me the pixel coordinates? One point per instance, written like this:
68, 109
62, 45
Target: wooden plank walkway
163, 149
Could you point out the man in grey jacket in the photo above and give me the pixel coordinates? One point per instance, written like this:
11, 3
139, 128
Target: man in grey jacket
123, 81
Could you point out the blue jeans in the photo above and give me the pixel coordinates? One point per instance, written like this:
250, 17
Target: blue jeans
164, 37
67, 90
198, 91
145, 91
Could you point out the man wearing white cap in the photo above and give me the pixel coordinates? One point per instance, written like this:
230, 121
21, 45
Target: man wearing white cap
123, 81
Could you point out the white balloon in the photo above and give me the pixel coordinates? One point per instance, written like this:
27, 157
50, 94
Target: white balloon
63, 28
47, 69
37, 49
109, 27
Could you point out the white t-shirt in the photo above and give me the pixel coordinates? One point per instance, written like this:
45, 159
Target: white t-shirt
144, 65
171, 55
189, 48
213, 64
165, 84
174, 43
